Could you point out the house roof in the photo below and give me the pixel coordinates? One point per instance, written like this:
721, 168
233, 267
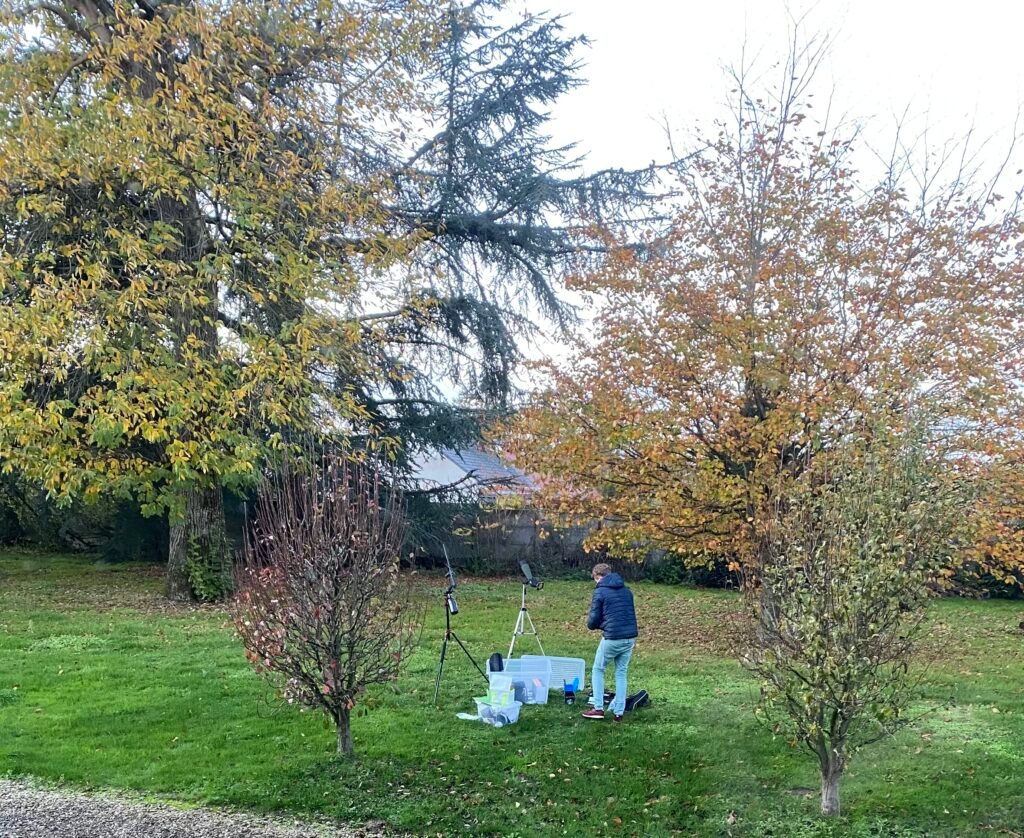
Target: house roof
472, 468
488, 468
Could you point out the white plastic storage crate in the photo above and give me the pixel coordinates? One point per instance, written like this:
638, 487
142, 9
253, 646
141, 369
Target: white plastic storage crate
530, 679
564, 670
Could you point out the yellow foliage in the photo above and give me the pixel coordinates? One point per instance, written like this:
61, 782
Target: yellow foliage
182, 232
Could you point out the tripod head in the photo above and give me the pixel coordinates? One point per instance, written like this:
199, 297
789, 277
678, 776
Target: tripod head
450, 603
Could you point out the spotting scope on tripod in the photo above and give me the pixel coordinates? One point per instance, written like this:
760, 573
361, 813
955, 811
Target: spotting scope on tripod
524, 618
451, 607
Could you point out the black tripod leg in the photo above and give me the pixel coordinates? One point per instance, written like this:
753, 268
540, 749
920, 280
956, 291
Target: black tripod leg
440, 666
471, 658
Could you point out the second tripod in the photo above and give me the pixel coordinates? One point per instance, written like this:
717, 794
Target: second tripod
524, 617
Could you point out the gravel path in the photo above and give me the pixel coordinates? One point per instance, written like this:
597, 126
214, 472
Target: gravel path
27, 812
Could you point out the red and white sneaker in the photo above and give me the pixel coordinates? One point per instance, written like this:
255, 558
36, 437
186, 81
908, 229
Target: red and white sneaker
593, 713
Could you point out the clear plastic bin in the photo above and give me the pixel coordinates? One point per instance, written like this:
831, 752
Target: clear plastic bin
530, 679
498, 716
563, 670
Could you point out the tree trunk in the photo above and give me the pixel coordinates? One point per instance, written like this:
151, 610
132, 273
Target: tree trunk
345, 735
198, 555
178, 587
830, 791
197, 561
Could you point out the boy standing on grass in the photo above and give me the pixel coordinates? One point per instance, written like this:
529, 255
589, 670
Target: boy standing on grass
611, 611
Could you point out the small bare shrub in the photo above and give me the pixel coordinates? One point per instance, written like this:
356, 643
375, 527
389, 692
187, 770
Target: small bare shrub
320, 602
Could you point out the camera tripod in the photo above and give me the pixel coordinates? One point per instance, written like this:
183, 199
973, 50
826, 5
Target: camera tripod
521, 621
450, 607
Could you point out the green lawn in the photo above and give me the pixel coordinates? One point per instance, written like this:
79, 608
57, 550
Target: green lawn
104, 685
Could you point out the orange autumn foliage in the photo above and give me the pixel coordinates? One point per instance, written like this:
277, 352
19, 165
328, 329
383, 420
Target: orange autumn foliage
787, 304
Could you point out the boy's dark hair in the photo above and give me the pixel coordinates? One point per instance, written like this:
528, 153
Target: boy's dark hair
601, 569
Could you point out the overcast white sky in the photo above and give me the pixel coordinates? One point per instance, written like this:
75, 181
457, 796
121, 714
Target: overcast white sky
956, 62
954, 65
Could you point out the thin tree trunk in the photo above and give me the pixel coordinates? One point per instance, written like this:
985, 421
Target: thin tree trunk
830, 792
345, 735
198, 540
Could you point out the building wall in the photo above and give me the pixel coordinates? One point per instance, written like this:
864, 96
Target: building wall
497, 540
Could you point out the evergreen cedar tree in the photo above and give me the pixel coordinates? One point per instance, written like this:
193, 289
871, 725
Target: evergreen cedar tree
199, 198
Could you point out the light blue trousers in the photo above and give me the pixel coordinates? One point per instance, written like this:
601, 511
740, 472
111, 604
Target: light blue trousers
618, 652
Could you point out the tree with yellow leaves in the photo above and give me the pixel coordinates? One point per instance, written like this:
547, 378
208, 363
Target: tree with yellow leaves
198, 200
181, 228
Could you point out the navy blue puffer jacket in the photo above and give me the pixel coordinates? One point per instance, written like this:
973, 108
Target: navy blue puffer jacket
611, 609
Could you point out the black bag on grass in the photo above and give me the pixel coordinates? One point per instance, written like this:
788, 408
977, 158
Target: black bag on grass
637, 699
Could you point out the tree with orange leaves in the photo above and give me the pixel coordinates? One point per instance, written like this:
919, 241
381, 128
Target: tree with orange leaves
789, 302
810, 375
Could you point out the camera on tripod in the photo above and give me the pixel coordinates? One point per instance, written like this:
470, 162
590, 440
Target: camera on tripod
451, 607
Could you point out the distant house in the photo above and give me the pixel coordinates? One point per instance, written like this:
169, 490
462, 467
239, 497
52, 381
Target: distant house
480, 474
498, 527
